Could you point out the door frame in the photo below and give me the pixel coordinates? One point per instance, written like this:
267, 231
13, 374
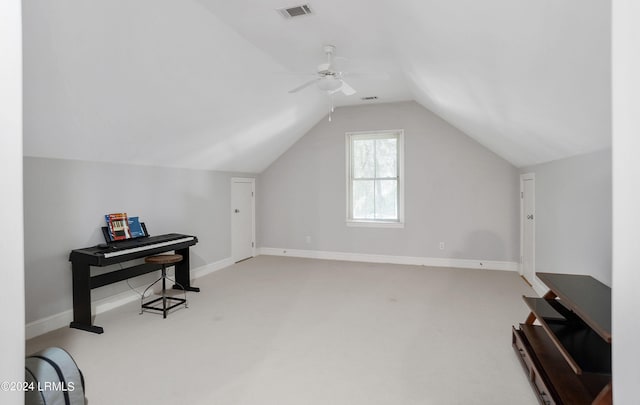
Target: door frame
528, 177
253, 212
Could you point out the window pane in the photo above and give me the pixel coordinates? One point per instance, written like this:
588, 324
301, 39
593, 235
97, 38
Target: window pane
386, 194
363, 203
374, 165
363, 159
386, 157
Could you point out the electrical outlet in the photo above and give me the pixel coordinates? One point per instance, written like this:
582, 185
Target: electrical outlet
441, 245
307, 239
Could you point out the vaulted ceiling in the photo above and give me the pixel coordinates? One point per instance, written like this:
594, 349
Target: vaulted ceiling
204, 83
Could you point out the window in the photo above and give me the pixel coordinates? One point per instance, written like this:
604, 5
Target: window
375, 178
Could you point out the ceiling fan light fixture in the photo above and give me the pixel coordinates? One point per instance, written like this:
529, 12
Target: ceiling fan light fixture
329, 83
328, 80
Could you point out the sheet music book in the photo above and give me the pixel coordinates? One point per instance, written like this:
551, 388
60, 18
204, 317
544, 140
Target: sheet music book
118, 226
136, 228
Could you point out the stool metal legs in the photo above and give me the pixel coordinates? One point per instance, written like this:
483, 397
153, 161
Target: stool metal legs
164, 298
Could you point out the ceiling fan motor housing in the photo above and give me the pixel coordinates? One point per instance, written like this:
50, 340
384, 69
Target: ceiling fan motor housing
324, 69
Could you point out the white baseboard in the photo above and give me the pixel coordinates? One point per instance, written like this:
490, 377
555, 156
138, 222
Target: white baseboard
44, 325
371, 258
59, 320
211, 268
62, 319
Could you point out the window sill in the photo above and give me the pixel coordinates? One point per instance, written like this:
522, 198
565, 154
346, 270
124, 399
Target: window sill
375, 224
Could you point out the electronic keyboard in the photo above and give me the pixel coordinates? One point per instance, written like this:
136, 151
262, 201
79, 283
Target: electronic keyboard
129, 249
147, 243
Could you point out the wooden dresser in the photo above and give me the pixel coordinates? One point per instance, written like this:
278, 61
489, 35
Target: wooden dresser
565, 343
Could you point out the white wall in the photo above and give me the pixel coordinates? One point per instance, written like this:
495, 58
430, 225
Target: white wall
65, 202
626, 200
573, 215
11, 244
457, 191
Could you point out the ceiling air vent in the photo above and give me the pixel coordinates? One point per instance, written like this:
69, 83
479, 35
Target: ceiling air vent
297, 11
370, 98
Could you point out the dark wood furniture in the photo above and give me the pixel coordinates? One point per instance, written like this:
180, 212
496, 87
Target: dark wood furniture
119, 252
565, 343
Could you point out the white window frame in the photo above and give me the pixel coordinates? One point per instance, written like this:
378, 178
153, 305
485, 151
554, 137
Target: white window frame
375, 223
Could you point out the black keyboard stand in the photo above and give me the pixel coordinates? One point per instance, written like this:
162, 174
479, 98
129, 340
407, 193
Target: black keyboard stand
83, 259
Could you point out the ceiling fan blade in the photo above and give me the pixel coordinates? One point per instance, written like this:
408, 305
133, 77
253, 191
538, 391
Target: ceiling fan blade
346, 89
368, 75
309, 83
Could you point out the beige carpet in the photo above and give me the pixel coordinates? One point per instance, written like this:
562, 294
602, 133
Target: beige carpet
286, 331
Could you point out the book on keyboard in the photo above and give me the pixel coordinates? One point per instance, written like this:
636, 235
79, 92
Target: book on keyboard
120, 227
141, 234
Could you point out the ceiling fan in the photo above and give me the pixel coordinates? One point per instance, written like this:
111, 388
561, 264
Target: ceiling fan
328, 79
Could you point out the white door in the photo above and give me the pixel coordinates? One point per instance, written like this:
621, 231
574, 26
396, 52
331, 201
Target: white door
528, 226
242, 218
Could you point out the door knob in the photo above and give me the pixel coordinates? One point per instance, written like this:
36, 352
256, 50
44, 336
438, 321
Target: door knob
237, 211
530, 216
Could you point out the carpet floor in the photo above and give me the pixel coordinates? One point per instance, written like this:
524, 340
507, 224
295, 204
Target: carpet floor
290, 331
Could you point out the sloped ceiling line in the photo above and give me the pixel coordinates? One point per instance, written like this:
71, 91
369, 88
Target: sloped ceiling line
203, 83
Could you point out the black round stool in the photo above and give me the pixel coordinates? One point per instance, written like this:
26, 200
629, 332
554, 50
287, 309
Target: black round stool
164, 260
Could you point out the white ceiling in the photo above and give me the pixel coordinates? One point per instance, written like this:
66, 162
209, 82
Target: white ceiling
204, 83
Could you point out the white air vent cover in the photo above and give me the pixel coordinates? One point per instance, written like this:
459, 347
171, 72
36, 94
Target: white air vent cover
297, 11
